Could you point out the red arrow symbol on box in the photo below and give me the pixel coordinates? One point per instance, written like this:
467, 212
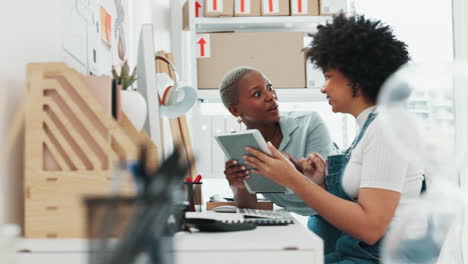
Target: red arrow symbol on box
242, 8
299, 6
202, 43
271, 5
197, 9
215, 5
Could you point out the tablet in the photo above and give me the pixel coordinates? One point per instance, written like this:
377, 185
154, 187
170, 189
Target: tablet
233, 146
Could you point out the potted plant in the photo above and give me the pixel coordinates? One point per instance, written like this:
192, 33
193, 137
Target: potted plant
133, 104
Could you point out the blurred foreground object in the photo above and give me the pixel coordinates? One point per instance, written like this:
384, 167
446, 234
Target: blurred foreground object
424, 111
431, 231
156, 214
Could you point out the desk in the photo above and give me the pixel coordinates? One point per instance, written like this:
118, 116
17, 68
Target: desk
266, 244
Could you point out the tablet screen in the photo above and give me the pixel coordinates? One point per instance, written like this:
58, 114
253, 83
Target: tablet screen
233, 146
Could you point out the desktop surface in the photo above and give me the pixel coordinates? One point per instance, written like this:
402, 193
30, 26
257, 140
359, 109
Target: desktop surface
266, 244
262, 238
292, 243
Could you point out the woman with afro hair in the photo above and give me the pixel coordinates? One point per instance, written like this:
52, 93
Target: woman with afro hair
359, 194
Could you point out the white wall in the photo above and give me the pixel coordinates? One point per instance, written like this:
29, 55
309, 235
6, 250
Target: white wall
162, 24
432, 25
3, 97
460, 8
461, 52
149, 11
35, 37
465, 28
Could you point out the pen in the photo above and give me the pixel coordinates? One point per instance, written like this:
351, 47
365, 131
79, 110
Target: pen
188, 179
198, 178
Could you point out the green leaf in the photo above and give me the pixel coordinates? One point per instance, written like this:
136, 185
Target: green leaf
124, 85
131, 81
125, 70
125, 80
115, 75
134, 72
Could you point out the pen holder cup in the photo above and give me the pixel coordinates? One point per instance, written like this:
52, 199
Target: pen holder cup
193, 195
112, 229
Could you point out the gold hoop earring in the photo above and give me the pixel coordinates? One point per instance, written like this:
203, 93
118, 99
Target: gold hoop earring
239, 119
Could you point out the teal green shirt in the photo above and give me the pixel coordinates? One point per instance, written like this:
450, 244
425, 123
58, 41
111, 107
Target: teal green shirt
303, 133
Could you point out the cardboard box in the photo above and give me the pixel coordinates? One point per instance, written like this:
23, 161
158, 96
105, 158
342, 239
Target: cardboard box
261, 205
247, 8
332, 7
304, 7
219, 8
275, 7
279, 55
198, 11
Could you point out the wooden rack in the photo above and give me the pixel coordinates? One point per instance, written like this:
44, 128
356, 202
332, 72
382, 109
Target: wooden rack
72, 145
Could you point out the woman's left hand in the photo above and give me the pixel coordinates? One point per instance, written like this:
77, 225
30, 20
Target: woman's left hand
314, 168
276, 167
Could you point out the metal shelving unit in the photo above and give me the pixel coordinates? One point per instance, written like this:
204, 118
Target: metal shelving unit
184, 47
278, 23
292, 95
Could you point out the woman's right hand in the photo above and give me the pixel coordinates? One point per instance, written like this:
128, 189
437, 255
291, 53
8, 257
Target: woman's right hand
236, 174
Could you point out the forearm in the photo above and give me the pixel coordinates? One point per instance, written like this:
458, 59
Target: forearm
348, 216
243, 198
323, 186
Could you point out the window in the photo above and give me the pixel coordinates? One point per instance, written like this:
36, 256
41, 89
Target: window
429, 36
426, 26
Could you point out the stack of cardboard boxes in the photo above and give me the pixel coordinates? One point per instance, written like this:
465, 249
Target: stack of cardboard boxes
279, 55
240, 8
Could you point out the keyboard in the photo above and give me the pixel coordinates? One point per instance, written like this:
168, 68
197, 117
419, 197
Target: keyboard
265, 217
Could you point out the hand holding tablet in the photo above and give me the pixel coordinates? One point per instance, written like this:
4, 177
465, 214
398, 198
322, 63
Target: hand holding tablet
233, 146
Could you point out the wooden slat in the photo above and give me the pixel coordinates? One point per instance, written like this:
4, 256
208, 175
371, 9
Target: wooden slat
33, 121
96, 162
185, 133
171, 58
56, 155
102, 142
64, 144
74, 79
69, 150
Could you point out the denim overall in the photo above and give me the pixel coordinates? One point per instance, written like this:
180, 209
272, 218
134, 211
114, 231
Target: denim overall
339, 247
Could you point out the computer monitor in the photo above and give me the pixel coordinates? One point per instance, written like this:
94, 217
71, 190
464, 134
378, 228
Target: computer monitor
147, 85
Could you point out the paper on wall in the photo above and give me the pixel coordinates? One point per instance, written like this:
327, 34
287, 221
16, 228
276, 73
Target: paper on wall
75, 36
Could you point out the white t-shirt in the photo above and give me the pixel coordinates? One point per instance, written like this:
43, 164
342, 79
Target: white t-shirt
376, 163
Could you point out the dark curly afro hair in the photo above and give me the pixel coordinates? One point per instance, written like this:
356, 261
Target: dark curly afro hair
364, 51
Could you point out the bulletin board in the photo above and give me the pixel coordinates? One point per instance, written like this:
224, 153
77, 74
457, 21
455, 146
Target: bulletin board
95, 34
